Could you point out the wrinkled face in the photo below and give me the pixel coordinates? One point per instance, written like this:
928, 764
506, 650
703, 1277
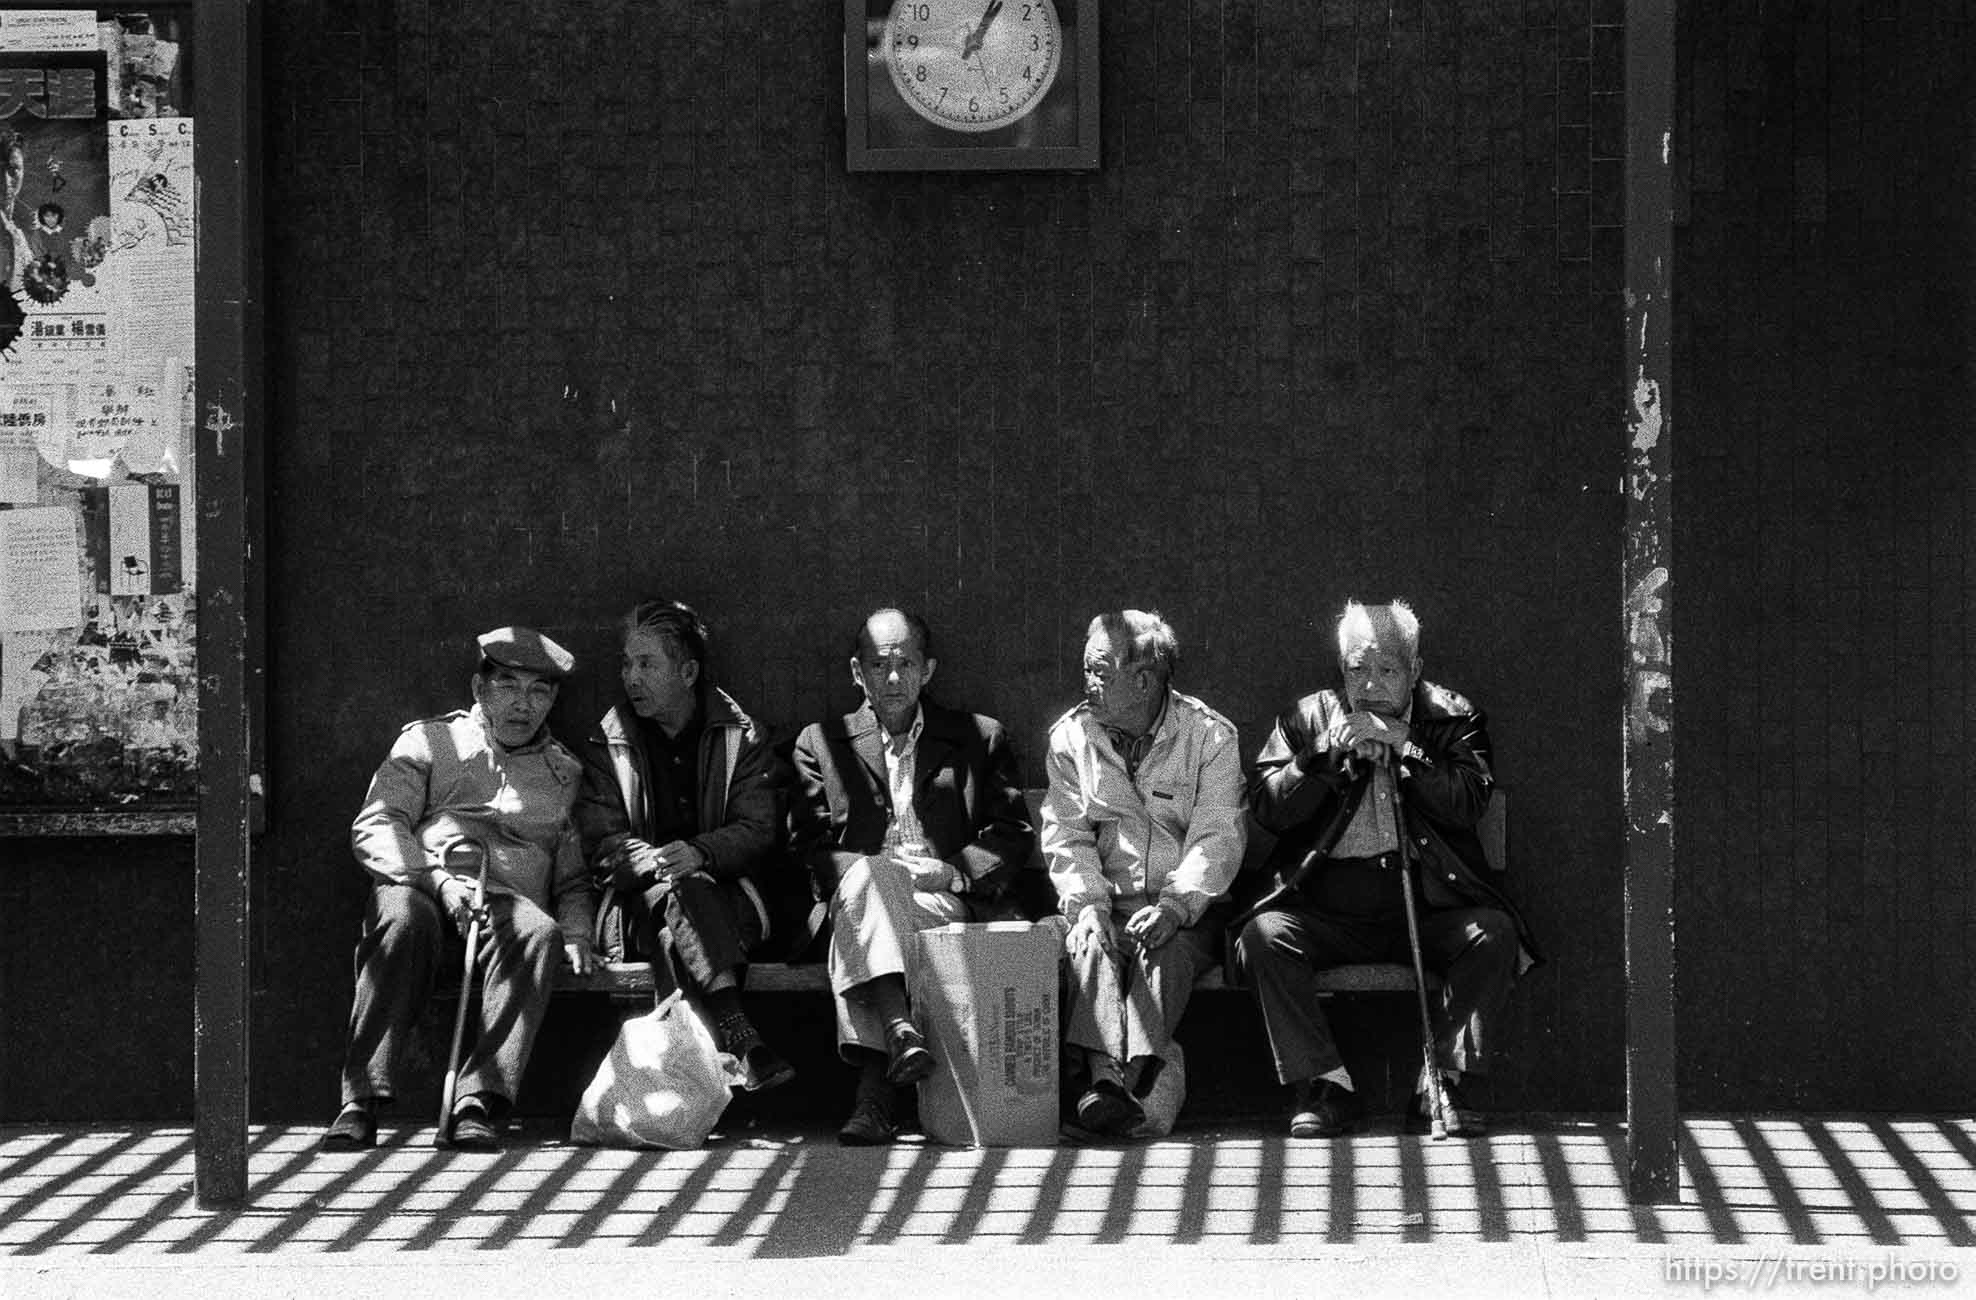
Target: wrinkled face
515, 701
1119, 696
656, 684
891, 670
1378, 679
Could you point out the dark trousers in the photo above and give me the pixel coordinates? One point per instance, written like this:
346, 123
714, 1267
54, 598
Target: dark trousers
1279, 952
693, 930
407, 941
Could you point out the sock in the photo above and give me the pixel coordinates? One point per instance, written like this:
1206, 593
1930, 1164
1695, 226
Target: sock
725, 1002
1103, 1068
1340, 1076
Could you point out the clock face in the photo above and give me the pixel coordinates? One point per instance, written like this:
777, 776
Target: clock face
973, 65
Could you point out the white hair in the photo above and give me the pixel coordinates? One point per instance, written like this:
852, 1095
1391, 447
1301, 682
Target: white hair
1356, 628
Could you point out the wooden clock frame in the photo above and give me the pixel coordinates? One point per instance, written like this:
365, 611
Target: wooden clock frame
959, 151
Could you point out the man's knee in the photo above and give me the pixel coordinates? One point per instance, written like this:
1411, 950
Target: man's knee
534, 929
403, 915
1492, 936
1267, 937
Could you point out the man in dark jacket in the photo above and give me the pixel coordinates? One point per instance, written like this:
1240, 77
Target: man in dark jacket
681, 814
909, 816
1355, 781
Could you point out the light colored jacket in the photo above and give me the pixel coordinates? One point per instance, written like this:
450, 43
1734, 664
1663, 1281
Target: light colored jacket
1175, 833
445, 780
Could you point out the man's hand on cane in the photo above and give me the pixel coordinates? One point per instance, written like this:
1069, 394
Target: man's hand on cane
456, 901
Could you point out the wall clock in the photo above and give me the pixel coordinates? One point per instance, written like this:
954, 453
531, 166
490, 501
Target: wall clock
934, 85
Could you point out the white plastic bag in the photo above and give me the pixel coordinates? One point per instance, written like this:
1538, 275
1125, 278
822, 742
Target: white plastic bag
664, 1084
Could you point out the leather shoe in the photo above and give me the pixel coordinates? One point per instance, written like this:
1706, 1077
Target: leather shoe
762, 1068
473, 1129
1323, 1109
909, 1061
354, 1129
870, 1124
1462, 1119
1108, 1110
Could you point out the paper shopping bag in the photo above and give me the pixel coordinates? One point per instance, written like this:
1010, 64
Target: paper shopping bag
986, 998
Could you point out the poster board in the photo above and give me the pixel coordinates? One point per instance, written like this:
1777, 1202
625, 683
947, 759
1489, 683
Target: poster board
98, 567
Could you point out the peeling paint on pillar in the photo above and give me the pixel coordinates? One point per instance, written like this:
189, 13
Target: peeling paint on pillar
1647, 608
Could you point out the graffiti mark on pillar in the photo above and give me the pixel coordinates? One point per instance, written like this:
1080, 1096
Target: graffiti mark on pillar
219, 423
1647, 644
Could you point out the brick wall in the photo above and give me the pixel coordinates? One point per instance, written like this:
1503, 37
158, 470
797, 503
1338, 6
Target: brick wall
1825, 623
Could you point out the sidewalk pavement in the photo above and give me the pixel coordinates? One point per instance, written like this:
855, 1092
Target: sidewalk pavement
1789, 1204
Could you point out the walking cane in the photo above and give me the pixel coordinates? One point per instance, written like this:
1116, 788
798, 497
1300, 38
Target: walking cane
1436, 1098
460, 856
1437, 1102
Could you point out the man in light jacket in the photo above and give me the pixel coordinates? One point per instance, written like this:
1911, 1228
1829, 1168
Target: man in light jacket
681, 817
1143, 829
490, 778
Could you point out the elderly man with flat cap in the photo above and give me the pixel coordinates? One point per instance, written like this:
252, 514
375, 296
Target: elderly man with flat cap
492, 781
1356, 781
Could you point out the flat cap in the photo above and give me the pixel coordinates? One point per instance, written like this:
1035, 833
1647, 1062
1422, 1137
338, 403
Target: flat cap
527, 649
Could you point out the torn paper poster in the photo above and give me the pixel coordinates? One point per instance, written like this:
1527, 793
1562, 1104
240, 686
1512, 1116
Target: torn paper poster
40, 569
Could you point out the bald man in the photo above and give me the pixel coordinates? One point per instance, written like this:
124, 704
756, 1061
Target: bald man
1352, 779
909, 816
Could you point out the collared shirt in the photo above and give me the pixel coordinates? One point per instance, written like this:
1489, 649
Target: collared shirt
1375, 827
672, 789
1133, 749
1170, 828
901, 773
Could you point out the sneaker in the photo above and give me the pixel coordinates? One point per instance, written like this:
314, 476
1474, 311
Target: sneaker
1108, 1110
1462, 1119
1323, 1109
354, 1128
909, 1059
871, 1123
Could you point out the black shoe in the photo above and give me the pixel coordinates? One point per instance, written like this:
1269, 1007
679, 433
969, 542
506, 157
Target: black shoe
354, 1129
909, 1061
871, 1123
763, 1068
1108, 1110
473, 1129
1462, 1120
1323, 1109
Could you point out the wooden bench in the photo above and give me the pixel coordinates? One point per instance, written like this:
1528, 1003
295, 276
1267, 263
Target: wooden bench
632, 980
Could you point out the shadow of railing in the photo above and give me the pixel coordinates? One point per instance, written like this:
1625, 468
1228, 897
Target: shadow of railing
1808, 1180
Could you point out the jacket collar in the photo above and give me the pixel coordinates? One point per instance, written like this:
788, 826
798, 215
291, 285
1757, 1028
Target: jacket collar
717, 709
940, 730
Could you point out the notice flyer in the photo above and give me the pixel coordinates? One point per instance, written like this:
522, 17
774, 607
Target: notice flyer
40, 569
153, 224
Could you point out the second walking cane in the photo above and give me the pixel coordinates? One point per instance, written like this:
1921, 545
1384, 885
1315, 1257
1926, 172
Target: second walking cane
1435, 1096
460, 856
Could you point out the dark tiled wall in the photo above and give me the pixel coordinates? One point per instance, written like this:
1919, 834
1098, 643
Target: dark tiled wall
575, 305
1826, 627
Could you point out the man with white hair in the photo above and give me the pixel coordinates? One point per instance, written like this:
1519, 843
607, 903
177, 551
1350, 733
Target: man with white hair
1142, 830
1355, 781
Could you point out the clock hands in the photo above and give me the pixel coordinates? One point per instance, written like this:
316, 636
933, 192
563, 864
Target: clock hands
972, 45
